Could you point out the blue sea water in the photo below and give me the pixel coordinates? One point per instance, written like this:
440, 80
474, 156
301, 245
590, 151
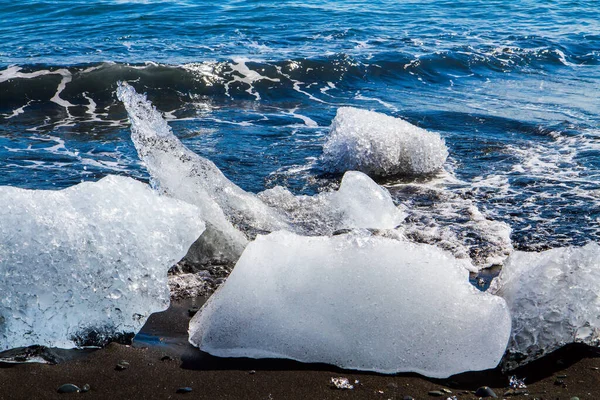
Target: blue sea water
512, 87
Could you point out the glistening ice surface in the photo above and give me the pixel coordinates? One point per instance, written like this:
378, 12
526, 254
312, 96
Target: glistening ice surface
85, 264
380, 145
355, 301
553, 298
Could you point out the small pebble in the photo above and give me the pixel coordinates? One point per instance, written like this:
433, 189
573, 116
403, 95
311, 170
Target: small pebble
447, 391
392, 385
69, 388
595, 368
167, 358
574, 398
485, 391
85, 388
184, 389
435, 393
408, 398
122, 365
252, 372
561, 376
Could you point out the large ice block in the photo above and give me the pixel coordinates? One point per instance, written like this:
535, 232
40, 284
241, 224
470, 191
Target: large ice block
554, 299
381, 145
88, 263
354, 301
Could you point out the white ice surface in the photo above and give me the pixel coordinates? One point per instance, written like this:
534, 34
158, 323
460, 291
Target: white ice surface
381, 145
90, 258
554, 299
366, 303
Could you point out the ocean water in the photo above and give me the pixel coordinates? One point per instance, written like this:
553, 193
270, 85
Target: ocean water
512, 87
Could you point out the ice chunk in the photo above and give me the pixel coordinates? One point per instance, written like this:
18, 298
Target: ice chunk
381, 145
182, 174
87, 263
359, 203
366, 303
554, 299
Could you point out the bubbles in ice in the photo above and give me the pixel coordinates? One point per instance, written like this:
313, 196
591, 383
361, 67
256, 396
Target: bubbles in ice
381, 145
554, 299
88, 263
357, 302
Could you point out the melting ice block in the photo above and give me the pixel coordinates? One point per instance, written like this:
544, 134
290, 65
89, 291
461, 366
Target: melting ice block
87, 263
381, 145
554, 299
366, 303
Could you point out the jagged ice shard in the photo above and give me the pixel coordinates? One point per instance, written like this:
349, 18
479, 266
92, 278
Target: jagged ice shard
354, 301
381, 145
554, 299
85, 264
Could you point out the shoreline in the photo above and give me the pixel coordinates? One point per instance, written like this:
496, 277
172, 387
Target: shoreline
161, 361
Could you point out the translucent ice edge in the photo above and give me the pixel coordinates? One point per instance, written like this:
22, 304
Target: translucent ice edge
366, 303
89, 263
381, 145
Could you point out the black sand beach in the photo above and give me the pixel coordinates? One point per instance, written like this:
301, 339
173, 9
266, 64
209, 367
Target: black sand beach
161, 362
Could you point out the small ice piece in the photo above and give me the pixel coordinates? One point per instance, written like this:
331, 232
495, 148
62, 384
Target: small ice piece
553, 298
341, 383
183, 174
358, 203
355, 301
85, 264
381, 145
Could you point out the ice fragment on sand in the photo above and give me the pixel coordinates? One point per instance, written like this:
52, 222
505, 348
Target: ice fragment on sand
341, 383
366, 303
88, 262
381, 145
554, 299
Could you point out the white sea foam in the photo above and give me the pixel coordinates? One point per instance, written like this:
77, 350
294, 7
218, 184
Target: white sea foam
88, 262
380, 145
318, 299
553, 300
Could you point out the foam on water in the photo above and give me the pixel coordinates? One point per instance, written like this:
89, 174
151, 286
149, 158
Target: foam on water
89, 263
366, 303
380, 145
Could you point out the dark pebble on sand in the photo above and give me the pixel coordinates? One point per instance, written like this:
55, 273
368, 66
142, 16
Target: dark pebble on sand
485, 391
252, 372
69, 388
435, 393
85, 388
167, 358
444, 390
408, 398
184, 390
560, 382
515, 392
